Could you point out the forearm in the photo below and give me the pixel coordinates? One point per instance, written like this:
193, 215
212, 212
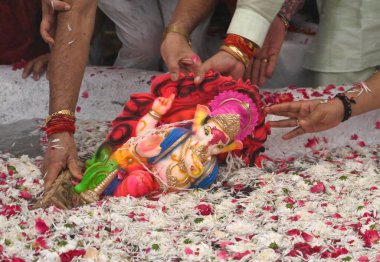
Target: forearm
188, 14
366, 101
70, 54
291, 7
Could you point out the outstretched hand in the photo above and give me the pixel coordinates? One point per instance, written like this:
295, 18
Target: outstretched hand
179, 57
60, 154
48, 23
307, 116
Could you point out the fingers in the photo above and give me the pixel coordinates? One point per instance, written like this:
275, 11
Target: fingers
282, 108
52, 172
74, 168
198, 69
38, 69
256, 71
59, 5
291, 122
263, 69
28, 69
294, 133
44, 31
271, 66
174, 70
37, 66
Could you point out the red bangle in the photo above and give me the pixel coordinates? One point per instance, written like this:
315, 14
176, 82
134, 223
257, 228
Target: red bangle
59, 124
245, 46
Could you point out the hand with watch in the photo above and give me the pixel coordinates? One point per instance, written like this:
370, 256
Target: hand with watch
310, 116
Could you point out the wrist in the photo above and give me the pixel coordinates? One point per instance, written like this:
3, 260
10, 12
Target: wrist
285, 20
60, 122
346, 103
179, 30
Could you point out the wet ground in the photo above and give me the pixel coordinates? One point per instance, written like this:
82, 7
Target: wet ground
21, 138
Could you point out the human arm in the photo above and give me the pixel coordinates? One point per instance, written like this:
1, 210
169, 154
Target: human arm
175, 49
251, 21
68, 60
265, 58
310, 116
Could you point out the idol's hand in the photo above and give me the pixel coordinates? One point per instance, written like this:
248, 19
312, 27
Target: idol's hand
36, 67
48, 23
162, 104
179, 57
60, 154
265, 58
225, 64
307, 116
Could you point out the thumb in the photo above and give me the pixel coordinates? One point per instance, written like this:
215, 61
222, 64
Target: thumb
173, 67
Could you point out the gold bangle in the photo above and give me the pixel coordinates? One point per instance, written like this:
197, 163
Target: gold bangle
284, 20
65, 112
154, 114
237, 53
178, 30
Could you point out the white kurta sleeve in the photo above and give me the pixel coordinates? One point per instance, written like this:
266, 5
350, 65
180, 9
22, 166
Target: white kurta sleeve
252, 18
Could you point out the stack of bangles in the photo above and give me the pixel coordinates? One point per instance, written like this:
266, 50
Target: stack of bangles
61, 121
239, 47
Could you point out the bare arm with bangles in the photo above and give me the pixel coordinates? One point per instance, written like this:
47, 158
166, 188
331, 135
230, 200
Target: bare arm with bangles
310, 116
66, 68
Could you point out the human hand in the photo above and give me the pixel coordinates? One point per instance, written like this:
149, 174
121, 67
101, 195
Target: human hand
265, 58
60, 154
36, 66
225, 64
307, 116
179, 56
48, 23
161, 105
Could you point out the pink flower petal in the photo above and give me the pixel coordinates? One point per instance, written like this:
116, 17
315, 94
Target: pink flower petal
41, 226
85, 94
188, 251
25, 195
318, 188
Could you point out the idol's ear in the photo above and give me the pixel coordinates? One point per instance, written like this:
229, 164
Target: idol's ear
237, 144
200, 114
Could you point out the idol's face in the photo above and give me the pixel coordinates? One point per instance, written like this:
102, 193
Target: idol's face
211, 138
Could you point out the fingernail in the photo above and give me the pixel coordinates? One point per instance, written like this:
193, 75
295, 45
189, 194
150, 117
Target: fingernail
197, 79
67, 7
195, 58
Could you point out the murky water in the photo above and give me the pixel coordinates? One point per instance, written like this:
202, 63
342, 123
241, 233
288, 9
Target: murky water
21, 138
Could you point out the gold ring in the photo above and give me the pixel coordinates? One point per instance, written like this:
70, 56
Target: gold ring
264, 60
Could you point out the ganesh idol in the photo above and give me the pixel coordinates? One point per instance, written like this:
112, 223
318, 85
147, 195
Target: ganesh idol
162, 155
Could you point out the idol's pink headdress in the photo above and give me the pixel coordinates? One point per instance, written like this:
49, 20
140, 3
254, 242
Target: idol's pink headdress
236, 103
